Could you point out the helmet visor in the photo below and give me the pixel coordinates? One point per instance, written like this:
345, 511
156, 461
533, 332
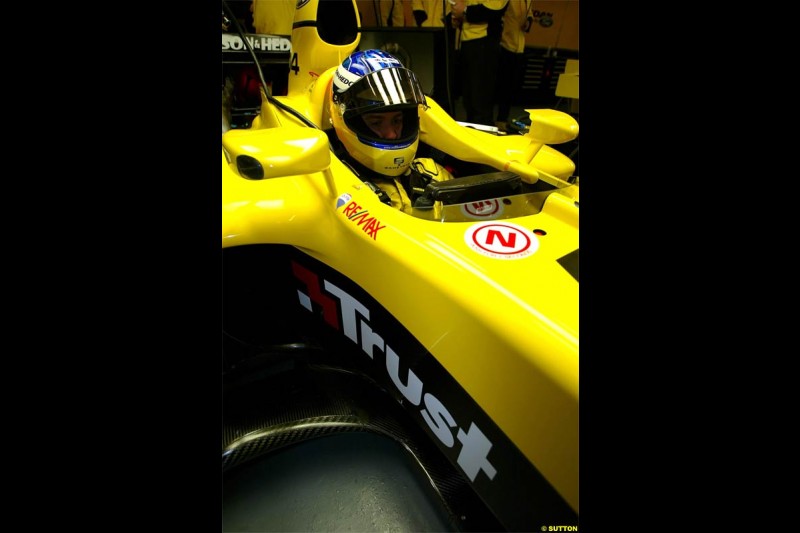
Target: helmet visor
377, 91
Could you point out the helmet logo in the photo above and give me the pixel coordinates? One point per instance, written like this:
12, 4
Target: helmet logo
399, 160
342, 79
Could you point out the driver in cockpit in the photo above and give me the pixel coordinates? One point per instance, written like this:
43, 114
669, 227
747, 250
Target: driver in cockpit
374, 107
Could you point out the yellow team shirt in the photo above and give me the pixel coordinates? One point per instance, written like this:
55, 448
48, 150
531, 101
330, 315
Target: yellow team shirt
514, 22
384, 7
434, 9
273, 17
470, 30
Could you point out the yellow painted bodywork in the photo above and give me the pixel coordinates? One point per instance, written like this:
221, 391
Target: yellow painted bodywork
505, 329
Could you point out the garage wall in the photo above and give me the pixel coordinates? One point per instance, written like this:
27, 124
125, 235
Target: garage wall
555, 25
555, 22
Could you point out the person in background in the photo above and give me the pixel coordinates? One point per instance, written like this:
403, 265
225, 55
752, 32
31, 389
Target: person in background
479, 25
388, 13
511, 61
431, 14
275, 17
374, 107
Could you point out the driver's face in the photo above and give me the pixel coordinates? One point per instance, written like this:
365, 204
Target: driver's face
387, 125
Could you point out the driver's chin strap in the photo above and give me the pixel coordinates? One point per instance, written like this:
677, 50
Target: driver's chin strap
343, 156
384, 198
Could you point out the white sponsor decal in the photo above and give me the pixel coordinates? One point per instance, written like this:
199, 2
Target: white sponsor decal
483, 210
265, 43
343, 79
501, 240
343, 199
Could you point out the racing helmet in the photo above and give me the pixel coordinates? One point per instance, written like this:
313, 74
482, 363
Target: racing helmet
374, 81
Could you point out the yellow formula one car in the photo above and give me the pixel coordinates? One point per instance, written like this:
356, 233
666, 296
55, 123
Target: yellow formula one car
449, 327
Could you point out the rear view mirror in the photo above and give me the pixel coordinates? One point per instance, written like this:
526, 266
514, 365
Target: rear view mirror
257, 154
549, 126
